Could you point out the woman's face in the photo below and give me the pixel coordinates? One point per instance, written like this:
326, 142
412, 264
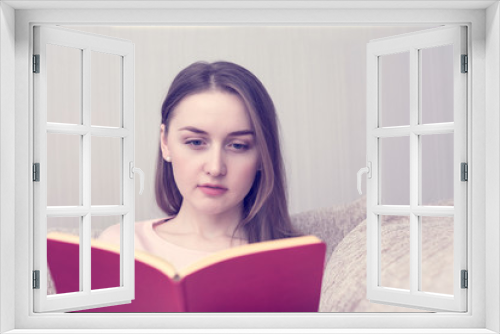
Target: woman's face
211, 145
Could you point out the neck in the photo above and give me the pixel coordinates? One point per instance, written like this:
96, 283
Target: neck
209, 226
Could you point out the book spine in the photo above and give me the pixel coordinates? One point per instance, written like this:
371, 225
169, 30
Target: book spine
179, 295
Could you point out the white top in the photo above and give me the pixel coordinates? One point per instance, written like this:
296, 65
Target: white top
147, 240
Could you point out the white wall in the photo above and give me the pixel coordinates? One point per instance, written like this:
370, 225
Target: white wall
7, 159
492, 186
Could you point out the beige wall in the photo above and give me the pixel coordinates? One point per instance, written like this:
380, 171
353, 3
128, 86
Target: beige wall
315, 75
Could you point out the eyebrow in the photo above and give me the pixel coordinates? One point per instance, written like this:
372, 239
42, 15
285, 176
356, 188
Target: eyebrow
232, 134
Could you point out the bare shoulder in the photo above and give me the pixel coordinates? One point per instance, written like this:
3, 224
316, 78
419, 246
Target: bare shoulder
111, 234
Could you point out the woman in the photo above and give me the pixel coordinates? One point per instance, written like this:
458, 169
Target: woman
220, 175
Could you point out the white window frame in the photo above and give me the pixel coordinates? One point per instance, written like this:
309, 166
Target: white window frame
412, 44
484, 265
87, 43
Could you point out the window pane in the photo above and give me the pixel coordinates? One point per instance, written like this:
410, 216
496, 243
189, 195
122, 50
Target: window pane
394, 171
395, 252
437, 169
394, 89
106, 170
63, 265
437, 84
437, 254
106, 89
63, 169
106, 265
64, 84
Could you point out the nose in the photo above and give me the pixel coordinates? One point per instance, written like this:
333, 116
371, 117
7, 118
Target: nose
215, 164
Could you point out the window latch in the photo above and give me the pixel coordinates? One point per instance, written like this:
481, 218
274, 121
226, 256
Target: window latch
368, 171
132, 171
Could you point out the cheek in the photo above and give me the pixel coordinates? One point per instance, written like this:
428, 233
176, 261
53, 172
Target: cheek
183, 166
245, 172
185, 169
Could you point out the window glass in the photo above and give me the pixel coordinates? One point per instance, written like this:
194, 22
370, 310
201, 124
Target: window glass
109, 276
106, 89
63, 169
436, 237
395, 252
64, 84
69, 226
437, 169
106, 163
436, 84
394, 89
395, 171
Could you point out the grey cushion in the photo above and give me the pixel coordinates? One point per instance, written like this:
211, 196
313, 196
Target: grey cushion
331, 224
344, 281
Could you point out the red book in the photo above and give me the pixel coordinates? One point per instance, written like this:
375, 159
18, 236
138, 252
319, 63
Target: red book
274, 276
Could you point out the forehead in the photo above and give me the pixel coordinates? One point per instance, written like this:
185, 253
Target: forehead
212, 111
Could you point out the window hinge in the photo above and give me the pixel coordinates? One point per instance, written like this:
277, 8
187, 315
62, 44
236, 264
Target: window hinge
465, 279
36, 279
36, 63
36, 172
465, 171
465, 64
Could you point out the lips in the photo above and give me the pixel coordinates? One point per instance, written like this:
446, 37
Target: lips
212, 189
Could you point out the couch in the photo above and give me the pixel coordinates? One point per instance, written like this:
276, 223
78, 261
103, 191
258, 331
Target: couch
343, 228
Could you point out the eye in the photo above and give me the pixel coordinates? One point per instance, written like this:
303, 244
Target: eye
195, 143
239, 146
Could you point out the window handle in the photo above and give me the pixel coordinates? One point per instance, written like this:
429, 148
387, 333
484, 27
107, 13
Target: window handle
132, 171
367, 170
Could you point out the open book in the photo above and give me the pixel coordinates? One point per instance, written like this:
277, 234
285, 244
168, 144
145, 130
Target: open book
273, 276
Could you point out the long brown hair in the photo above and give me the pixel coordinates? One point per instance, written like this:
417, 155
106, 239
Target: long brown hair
265, 212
